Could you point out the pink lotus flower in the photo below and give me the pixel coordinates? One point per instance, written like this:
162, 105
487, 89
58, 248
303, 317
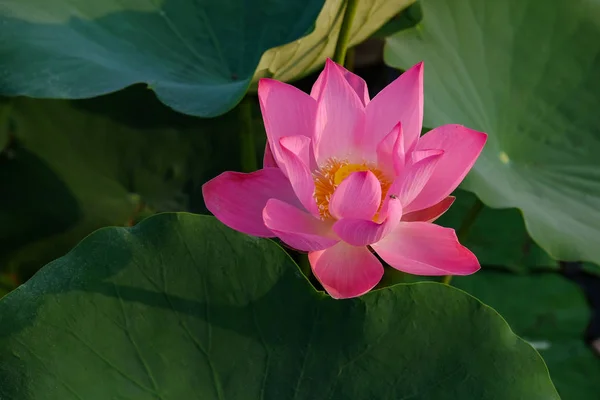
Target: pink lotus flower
345, 176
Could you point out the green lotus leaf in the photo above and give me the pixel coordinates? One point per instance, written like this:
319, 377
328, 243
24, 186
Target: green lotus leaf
181, 307
525, 72
199, 56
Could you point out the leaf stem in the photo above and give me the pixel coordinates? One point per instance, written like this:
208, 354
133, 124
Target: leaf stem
350, 59
341, 47
246, 137
465, 227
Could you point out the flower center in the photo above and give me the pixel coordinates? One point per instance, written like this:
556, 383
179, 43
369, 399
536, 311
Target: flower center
329, 176
345, 170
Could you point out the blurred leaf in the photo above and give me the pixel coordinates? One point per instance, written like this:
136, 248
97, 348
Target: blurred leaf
6, 285
198, 56
78, 166
551, 313
181, 307
303, 56
525, 72
591, 268
407, 18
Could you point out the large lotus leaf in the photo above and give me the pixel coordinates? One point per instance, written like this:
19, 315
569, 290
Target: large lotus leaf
302, 56
199, 56
181, 307
551, 313
73, 167
525, 72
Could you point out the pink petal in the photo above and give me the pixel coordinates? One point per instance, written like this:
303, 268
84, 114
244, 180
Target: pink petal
297, 228
268, 159
390, 152
361, 232
298, 172
461, 148
299, 145
422, 248
317, 88
358, 196
238, 199
400, 101
346, 271
356, 82
286, 111
430, 214
415, 177
340, 119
